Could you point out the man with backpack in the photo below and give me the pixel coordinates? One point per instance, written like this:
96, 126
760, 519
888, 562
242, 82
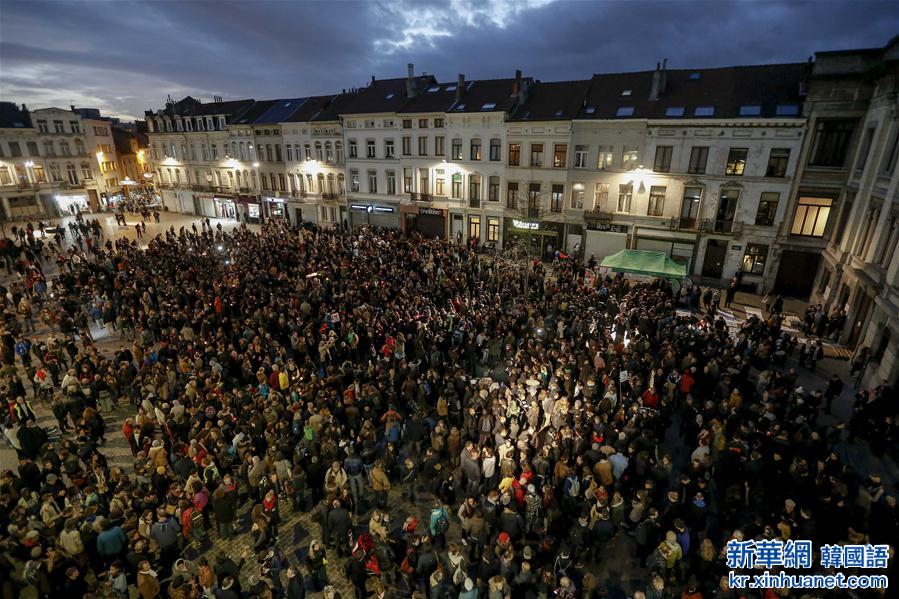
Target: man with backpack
439, 523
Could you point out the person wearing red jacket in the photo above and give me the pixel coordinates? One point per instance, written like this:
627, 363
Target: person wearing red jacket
128, 431
686, 382
651, 398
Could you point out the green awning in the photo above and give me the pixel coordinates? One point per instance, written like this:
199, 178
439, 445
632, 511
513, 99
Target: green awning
641, 262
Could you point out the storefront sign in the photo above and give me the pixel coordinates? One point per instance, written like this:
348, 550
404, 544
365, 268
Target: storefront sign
736, 248
278, 200
606, 227
360, 207
523, 224
431, 211
253, 210
383, 209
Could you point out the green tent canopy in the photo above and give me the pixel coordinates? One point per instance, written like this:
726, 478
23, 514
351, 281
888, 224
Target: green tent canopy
641, 262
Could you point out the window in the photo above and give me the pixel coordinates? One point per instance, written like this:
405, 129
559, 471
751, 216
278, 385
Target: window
704, 111
307, 151
76, 126
438, 123
457, 149
831, 143
750, 110
5, 178
493, 189
391, 183
777, 162
372, 182
15, 150
407, 146
754, 259
560, 156
557, 198
699, 156
407, 180
474, 187
407, 123
474, 227
767, 211
422, 123
580, 156
605, 158
533, 199
736, 162
354, 181
32, 149
424, 185
787, 110
49, 151
662, 162
674, 111
422, 146
492, 229
625, 192
351, 152
476, 149
811, 216
338, 147
42, 127
512, 195
370, 151
889, 163
495, 150
58, 127
629, 158
865, 149
63, 147
514, 154
625, 111
577, 196
601, 196
71, 174
457, 186
536, 154
438, 146
389, 150
656, 200
39, 175
278, 152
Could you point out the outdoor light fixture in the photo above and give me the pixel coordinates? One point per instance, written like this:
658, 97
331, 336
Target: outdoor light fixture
28, 164
255, 165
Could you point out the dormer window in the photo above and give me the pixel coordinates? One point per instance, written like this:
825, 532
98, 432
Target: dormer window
434, 88
460, 108
388, 96
590, 109
674, 111
787, 110
188, 125
626, 92
750, 110
704, 111
221, 123
625, 111
489, 106
450, 88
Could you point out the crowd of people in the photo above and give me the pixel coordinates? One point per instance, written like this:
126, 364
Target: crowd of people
456, 427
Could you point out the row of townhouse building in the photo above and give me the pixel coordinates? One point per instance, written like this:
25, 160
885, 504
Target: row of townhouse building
56, 162
696, 164
729, 169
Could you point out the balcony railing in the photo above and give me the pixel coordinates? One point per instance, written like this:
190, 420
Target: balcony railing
474, 203
420, 197
685, 223
727, 226
532, 212
330, 196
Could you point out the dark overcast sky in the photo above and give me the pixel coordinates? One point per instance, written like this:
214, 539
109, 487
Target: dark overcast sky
125, 57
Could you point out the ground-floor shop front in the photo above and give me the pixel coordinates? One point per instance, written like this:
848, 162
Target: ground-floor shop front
427, 221
18, 206
539, 238
376, 214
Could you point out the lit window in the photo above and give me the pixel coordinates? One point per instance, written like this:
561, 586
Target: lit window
750, 110
811, 216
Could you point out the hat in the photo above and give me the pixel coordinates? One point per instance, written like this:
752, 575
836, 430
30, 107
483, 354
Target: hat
503, 537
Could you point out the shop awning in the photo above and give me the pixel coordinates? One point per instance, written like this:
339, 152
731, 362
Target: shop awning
642, 262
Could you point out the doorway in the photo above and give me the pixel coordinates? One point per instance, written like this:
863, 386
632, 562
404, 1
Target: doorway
797, 272
713, 264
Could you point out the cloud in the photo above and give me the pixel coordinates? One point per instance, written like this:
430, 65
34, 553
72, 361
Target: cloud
125, 57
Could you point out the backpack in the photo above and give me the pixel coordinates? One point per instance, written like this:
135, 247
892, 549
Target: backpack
442, 524
575, 489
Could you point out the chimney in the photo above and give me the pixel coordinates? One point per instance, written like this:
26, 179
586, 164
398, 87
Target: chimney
372, 79
24, 108
516, 87
72, 106
410, 80
659, 80
459, 85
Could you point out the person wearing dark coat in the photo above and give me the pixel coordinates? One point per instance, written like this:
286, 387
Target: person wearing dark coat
296, 587
339, 525
224, 505
32, 438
